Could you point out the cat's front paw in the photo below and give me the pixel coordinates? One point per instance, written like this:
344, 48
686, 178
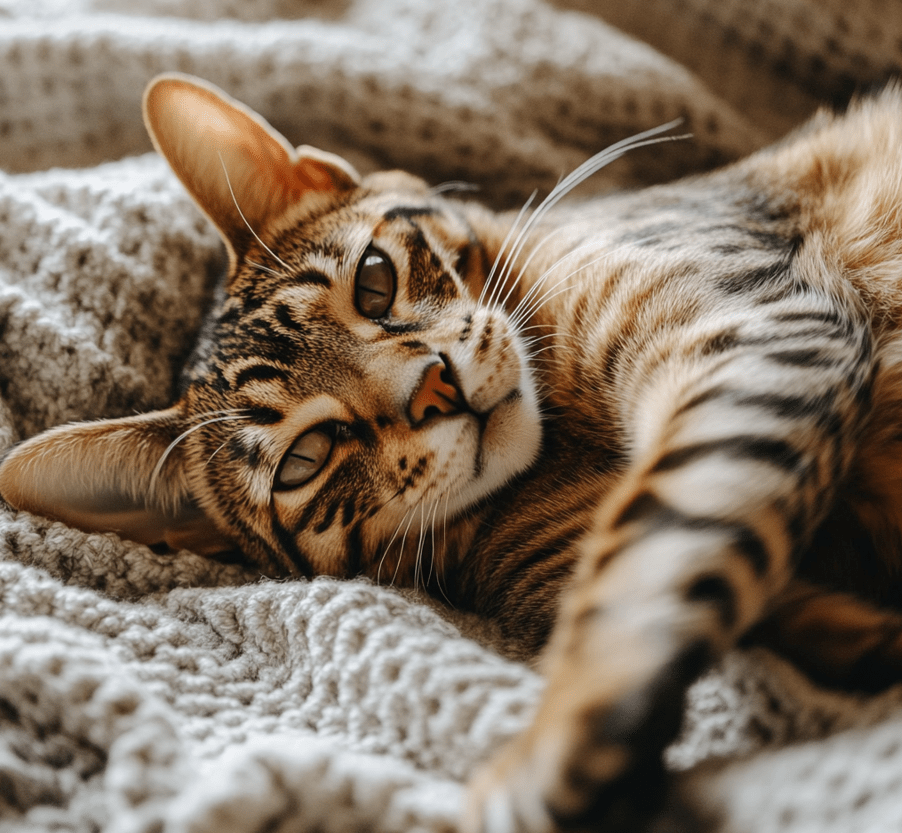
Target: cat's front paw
551, 779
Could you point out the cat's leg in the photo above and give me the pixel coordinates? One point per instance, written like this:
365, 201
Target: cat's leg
741, 439
836, 638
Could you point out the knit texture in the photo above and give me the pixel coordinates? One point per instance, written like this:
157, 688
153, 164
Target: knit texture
142, 692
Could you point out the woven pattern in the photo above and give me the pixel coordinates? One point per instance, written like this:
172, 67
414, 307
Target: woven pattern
141, 692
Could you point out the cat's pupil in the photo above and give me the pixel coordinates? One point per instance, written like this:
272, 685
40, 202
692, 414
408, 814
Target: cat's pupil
375, 287
305, 458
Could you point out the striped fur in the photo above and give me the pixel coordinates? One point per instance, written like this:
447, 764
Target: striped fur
670, 421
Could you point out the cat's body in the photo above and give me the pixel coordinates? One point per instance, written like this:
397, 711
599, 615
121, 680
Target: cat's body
676, 423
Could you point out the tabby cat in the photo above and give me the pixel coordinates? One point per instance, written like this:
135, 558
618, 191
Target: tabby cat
661, 423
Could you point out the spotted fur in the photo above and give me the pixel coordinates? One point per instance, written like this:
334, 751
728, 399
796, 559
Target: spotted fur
667, 422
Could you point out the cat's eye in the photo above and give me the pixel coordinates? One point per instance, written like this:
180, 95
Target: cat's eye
306, 457
374, 289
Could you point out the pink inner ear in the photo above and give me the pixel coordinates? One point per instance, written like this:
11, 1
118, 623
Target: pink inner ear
313, 176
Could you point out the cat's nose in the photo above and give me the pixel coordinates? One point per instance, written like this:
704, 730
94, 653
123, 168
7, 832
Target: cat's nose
435, 395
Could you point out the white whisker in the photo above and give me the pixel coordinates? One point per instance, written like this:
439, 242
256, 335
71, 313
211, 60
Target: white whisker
504, 243
432, 536
165, 456
241, 214
422, 542
454, 185
273, 272
401, 551
388, 545
536, 287
571, 181
440, 571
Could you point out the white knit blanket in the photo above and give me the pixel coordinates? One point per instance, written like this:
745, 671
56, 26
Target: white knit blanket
152, 693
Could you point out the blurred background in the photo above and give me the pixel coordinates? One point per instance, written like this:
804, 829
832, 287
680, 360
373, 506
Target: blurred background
507, 93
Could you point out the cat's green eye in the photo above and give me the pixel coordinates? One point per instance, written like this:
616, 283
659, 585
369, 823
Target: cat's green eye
374, 289
305, 458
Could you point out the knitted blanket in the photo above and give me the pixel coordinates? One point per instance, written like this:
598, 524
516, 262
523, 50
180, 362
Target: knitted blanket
145, 692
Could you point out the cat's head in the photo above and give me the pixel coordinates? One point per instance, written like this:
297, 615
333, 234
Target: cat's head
352, 386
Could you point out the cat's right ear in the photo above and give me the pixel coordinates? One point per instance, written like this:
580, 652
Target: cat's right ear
241, 172
115, 475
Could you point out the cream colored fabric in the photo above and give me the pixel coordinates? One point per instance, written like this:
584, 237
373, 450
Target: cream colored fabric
141, 692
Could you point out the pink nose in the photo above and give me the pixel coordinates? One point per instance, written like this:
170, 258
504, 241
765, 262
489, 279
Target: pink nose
435, 395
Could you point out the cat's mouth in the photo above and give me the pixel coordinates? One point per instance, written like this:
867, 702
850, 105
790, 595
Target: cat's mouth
482, 421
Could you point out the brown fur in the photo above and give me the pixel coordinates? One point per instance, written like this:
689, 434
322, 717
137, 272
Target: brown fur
676, 423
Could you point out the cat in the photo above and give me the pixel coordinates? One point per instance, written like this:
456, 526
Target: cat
636, 430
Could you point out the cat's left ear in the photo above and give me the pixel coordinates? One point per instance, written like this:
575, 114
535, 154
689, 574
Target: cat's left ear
241, 172
115, 475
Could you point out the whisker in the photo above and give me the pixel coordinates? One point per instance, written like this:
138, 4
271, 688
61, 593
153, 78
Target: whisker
578, 176
241, 214
432, 536
546, 274
504, 243
554, 347
165, 455
272, 272
401, 551
526, 311
454, 185
521, 313
440, 571
417, 570
388, 545
210, 458
535, 250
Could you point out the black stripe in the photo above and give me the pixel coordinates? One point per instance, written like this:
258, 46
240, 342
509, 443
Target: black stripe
718, 591
777, 403
824, 317
801, 358
259, 372
306, 516
284, 317
529, 559
328, 516
703, 398
290, 548
355, 551
312, 276
648, 509
764, 449
263, 415
349, 512
784, 406
541, 583
750, 280
720, 343
409, 212
402, 327
640, 508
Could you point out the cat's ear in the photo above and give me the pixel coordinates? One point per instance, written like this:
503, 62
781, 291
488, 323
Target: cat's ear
107, 476
241, 172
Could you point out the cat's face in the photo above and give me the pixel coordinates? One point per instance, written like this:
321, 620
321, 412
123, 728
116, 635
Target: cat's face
365, 392
354, 390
